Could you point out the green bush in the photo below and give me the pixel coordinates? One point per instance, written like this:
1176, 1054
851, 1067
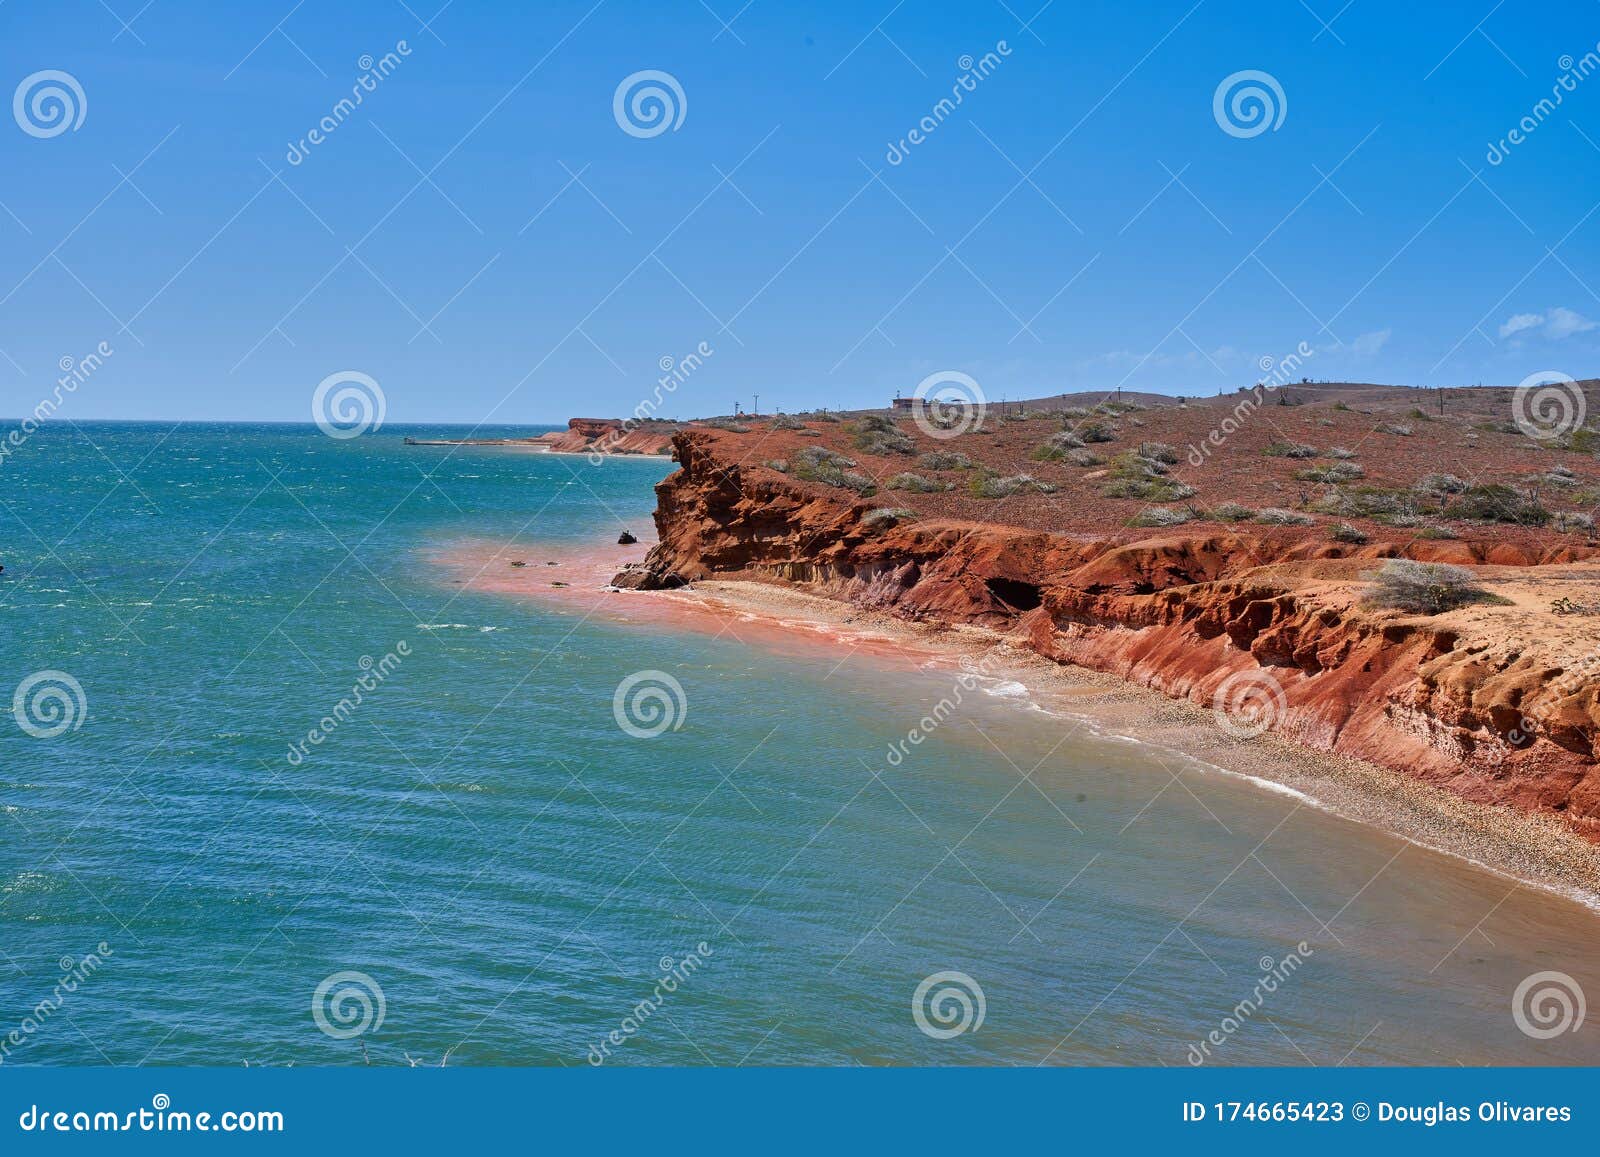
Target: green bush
1497, 502
1424, 588
1277, 516
1231, 512
944, 460
875, 434
916, 483
1290, 450
886, 516
1160, 516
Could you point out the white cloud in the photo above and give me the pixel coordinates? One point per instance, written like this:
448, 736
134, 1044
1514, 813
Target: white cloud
1554, 324
1519, 322
1363, 346
1560, 323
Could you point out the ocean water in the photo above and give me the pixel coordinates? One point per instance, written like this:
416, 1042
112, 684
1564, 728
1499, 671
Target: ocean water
479, 862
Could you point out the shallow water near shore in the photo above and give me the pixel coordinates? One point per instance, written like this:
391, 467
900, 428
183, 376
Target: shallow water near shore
517, 872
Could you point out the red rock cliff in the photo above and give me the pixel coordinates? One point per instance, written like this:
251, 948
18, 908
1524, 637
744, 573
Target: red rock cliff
1204, 616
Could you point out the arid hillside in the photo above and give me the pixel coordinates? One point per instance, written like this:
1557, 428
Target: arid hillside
1291, 563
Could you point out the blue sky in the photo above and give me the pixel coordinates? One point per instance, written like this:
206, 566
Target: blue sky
483, 238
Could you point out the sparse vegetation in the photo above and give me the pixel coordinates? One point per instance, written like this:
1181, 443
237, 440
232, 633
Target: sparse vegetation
819, 464
1290, 450
992, 485
1097, 432
1497, 502
1160, 516
1344, 532
1158, 452
1277, 516
727, 424
1572, 521
785, 422
1057, 447
1133, 475
916, 483
1437, 484
1425, 588
1333, 473
875, 434
1583, 440
944, 460
1398, 429
1232, 512
1340, 452
886, 516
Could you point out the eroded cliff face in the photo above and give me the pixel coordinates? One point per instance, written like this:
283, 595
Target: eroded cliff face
609, 436
1479, 701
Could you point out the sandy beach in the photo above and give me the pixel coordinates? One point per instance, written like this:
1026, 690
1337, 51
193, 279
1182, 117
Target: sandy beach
1528, 848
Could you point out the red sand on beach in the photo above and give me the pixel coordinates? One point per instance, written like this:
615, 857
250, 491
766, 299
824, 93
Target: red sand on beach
485, 567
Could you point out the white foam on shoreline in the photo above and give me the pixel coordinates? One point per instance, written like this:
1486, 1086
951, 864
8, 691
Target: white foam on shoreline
1587, 899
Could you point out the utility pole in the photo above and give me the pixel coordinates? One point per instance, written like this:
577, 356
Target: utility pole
758, 405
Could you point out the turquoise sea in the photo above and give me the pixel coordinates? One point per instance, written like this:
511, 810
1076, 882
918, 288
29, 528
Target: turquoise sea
478, 861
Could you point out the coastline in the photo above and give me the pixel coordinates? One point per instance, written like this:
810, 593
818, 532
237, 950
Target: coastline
1530, 848
1526, 847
